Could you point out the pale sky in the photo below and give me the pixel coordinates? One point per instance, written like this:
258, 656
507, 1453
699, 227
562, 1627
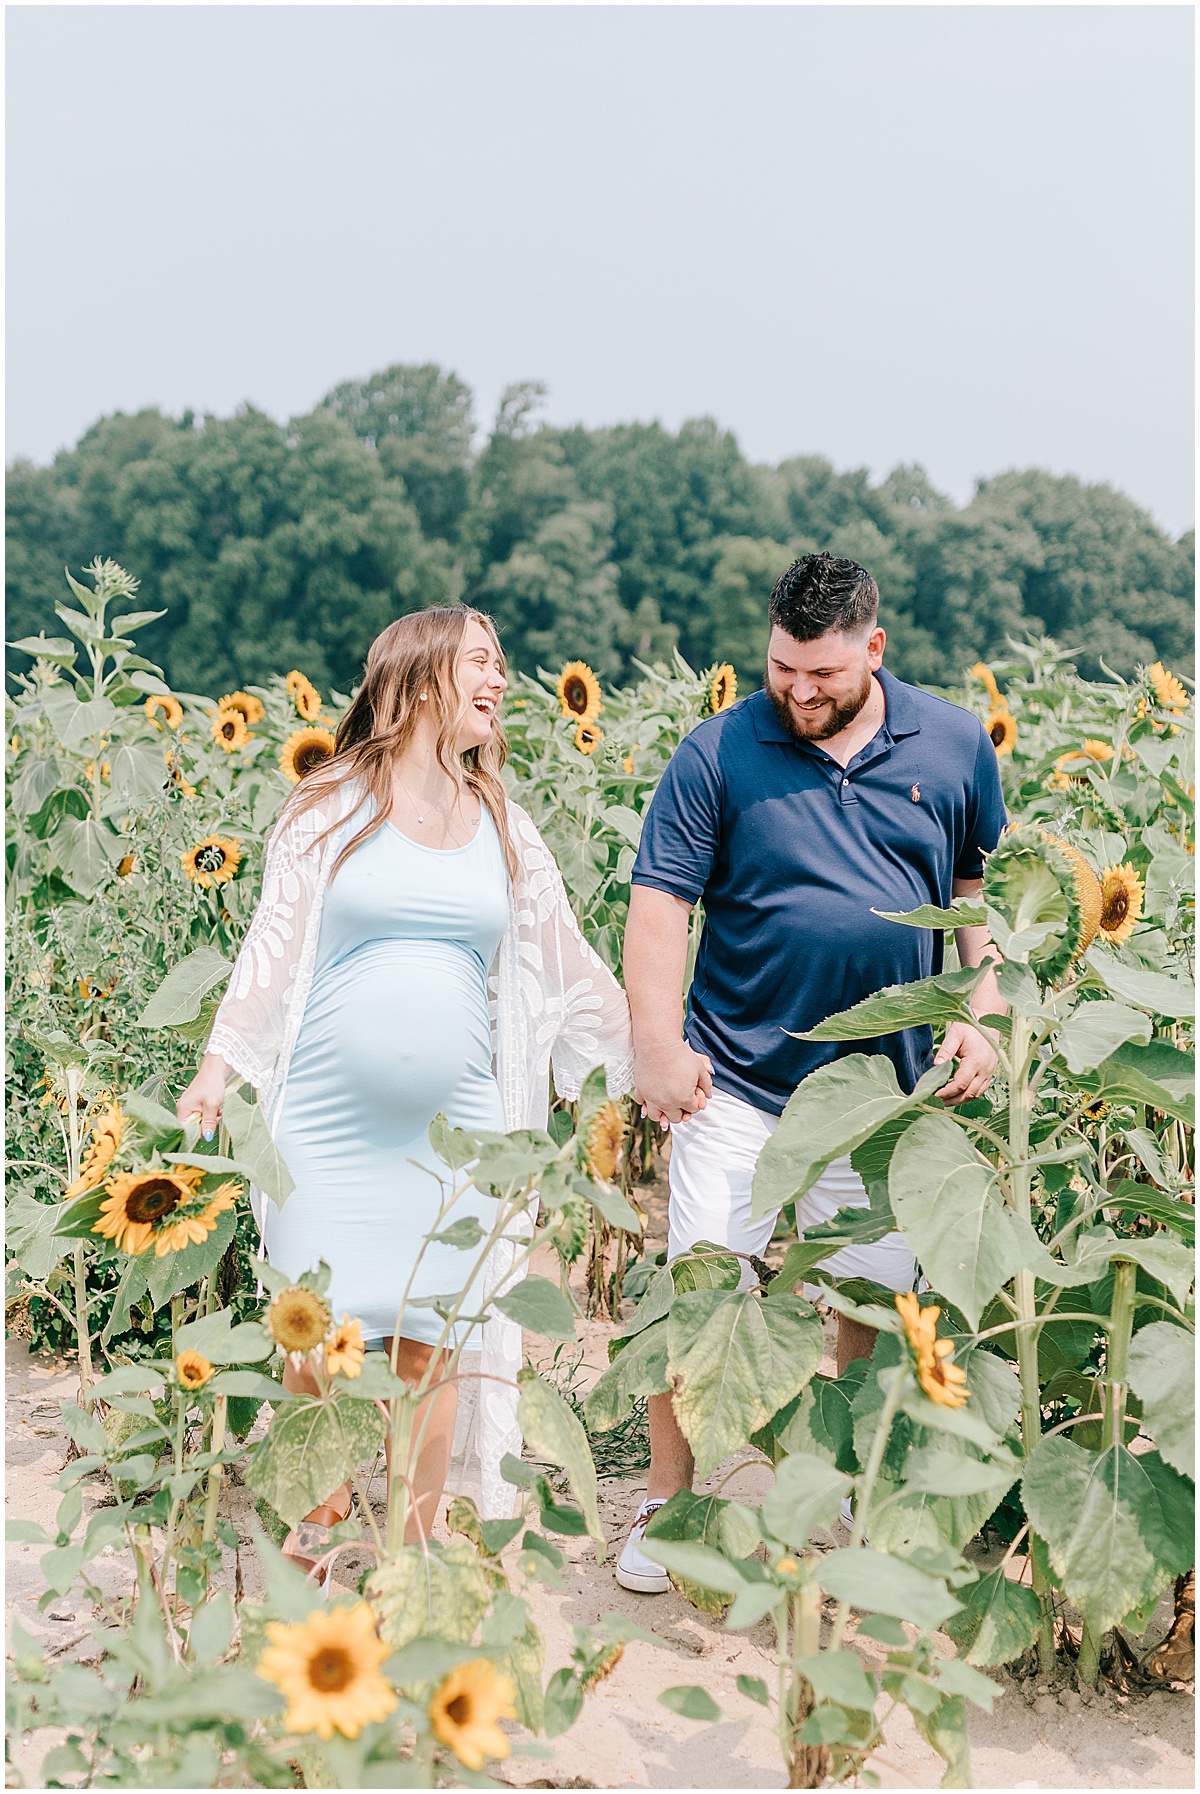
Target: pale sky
954, 235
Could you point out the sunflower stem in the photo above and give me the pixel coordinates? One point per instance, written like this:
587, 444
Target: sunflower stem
82, 1334
215, 1475
1021, 1049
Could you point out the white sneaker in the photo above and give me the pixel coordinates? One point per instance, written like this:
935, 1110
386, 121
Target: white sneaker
634, 1569
848, 1518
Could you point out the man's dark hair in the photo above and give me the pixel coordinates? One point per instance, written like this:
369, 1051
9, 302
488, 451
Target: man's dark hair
820, 592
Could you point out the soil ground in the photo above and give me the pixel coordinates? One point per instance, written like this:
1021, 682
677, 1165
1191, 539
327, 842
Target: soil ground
1037, 1736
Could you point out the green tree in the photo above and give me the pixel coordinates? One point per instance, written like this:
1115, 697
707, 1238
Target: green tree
420, 420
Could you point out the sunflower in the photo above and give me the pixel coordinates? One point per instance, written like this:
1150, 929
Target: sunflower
603, 1665
137, 1199
1121, 893
627, 763
464, 1711
305, 697
192, 1370
250, 707
1167, 689
605, 1138
298, 1319
943, 1383
327, 1669
987, 679
345, 1351
579, 692
171, 708
588, 738
102, 1149
1097, 750
1087, 893
304, 751
213, 861
127, 865
722, 690
193, 1230
1001, 726
90, 770
229, 730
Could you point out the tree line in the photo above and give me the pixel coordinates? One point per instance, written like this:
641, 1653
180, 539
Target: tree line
275, 545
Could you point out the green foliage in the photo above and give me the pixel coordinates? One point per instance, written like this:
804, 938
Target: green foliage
274, 544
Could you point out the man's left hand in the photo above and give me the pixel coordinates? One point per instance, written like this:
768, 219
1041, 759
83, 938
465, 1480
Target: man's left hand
976, 1063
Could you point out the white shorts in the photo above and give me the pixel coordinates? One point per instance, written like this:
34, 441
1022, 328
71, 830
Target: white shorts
713, 1155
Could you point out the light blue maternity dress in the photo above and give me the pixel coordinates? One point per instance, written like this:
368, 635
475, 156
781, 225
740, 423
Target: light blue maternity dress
395, 1031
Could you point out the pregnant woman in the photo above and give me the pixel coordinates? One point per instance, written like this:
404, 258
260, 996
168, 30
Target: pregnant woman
398, 875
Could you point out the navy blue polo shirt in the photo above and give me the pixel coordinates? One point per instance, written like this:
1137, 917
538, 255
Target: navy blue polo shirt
790, 853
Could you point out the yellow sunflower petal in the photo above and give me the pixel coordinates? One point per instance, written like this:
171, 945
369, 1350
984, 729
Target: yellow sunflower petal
1121, 896
192, 1370
1001, 726
579, 692
464, 1711
327, 1669
304, 751
298, 1319
588, 738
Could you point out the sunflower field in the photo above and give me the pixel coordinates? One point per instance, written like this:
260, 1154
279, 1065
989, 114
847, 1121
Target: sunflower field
1038, 1393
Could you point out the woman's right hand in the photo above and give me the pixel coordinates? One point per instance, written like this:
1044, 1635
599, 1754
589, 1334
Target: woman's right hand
204, 1095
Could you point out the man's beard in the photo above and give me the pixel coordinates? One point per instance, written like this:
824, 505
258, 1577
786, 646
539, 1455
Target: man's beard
825, 721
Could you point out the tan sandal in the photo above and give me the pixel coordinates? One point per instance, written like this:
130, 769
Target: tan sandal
307, 1543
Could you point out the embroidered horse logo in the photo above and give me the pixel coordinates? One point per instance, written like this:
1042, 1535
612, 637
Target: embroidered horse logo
916, 794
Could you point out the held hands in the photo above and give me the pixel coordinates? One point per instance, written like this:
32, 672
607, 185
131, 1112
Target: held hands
204, 1095
672, 1082
977, 1059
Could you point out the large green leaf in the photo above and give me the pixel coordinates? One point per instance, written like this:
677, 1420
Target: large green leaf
1150, 990
807, 1492
1157, 1074
555, 1435
818, 1421
253, 1144
29, 1233
1095, 1030
176, 1271
943, 998
1162, 1374
880, 1584
999, 1620
178, 997
833, 1110
39, 780
1115, 1525
734, 1361
434, 1591
216, 1338
946, 1205
311, 1446
723, 1526
85, 852
641, 1369
1168, 1261
539, 1305
964, 914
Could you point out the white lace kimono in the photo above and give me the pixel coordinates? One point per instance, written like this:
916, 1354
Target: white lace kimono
553, 1003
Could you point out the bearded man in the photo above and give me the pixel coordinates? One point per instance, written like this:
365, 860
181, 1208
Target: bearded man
835, 792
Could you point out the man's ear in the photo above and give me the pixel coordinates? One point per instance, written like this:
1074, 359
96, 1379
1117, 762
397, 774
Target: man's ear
876, 642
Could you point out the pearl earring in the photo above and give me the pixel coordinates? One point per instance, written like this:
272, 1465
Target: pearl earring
424, 695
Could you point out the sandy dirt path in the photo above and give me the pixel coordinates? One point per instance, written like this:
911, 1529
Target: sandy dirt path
624, 1737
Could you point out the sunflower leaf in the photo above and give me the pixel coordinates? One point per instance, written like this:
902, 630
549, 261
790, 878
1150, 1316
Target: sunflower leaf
179, 996
312, 1445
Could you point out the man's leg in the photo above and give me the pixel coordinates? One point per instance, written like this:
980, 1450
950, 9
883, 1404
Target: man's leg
711, 1168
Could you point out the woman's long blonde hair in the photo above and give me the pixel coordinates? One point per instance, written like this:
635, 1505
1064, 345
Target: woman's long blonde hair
416, 654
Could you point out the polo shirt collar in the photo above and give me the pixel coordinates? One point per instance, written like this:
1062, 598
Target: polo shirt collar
900, 717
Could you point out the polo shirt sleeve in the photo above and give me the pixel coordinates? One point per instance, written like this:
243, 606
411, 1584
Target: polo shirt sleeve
682, 827
986, 815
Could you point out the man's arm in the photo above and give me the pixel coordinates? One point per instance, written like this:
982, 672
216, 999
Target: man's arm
971, 1047
672, 1081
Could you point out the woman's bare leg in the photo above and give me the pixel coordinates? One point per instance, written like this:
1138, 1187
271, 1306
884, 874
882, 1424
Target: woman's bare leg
433, 1459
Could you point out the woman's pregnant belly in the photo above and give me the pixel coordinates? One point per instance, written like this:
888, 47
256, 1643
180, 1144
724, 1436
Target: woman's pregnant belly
392, 1036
